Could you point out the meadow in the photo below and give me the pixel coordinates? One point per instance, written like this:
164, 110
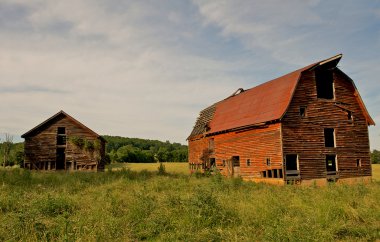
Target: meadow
138, 204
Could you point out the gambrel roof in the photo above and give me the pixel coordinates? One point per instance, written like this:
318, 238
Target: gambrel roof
54, 118
266, 102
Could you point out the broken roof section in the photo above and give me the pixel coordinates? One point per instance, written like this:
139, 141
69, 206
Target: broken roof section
54, 118
266, 102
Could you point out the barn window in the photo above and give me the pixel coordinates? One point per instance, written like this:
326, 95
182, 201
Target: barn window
358, 163
264, 174
349, 116
61, 136
248, 162
291, 162
331, 163
268, 161
329, 137
236, 161
269, 173
302, 112
325, 84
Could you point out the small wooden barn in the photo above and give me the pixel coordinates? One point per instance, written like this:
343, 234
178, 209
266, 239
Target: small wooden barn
63, 143
310, 125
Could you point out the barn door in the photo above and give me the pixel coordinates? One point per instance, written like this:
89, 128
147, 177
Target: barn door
236, 165
61, 158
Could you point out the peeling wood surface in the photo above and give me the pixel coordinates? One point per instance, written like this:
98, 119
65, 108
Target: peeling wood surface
41, 148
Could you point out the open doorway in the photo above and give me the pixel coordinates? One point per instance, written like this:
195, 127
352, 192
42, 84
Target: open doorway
291, 162
61, 157
236, 165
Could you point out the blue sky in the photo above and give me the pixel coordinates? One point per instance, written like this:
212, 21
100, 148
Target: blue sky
146, 68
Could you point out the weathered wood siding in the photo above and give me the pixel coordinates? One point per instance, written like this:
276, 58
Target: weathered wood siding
41, 148
256, 144
305, 135
196, 147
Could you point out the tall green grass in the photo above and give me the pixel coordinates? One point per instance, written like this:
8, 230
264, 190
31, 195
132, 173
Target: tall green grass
128, 205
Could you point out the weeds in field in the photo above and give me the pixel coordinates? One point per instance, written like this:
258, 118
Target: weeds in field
128, 205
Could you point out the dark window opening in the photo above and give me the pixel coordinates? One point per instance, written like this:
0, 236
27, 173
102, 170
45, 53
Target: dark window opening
248, 162
61, 130
275, 173
302, 112
212, 162
61, 136
291, 162
280, 172
358, 163
325, 84
236, 160
349, 116
264, 174
61, 140
329, 137
268, 161
269, 173
331, 163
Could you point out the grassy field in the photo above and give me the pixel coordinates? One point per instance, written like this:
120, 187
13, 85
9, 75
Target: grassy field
376, 172
130, 205
171, 167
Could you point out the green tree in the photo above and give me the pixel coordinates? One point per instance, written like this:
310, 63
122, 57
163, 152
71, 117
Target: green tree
375, 157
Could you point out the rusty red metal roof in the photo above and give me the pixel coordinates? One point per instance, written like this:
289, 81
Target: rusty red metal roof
266, 102
262, 103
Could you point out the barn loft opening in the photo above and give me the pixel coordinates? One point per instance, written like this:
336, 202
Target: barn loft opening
248, 162
329, 137
291, 162
61, 136
61, 130
325, 83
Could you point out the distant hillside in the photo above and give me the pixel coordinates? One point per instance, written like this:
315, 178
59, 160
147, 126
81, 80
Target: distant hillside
124, 149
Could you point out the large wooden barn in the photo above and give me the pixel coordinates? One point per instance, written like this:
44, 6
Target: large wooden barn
310, 125
63, 143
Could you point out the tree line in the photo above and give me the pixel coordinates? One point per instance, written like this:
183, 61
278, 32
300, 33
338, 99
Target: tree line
123, 149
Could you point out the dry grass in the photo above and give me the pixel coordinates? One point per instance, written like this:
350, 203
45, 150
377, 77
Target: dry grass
376, 172
171, 167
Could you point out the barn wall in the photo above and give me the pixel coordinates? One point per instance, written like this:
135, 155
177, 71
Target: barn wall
196, 148
305, 135
256, 144
40, 149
